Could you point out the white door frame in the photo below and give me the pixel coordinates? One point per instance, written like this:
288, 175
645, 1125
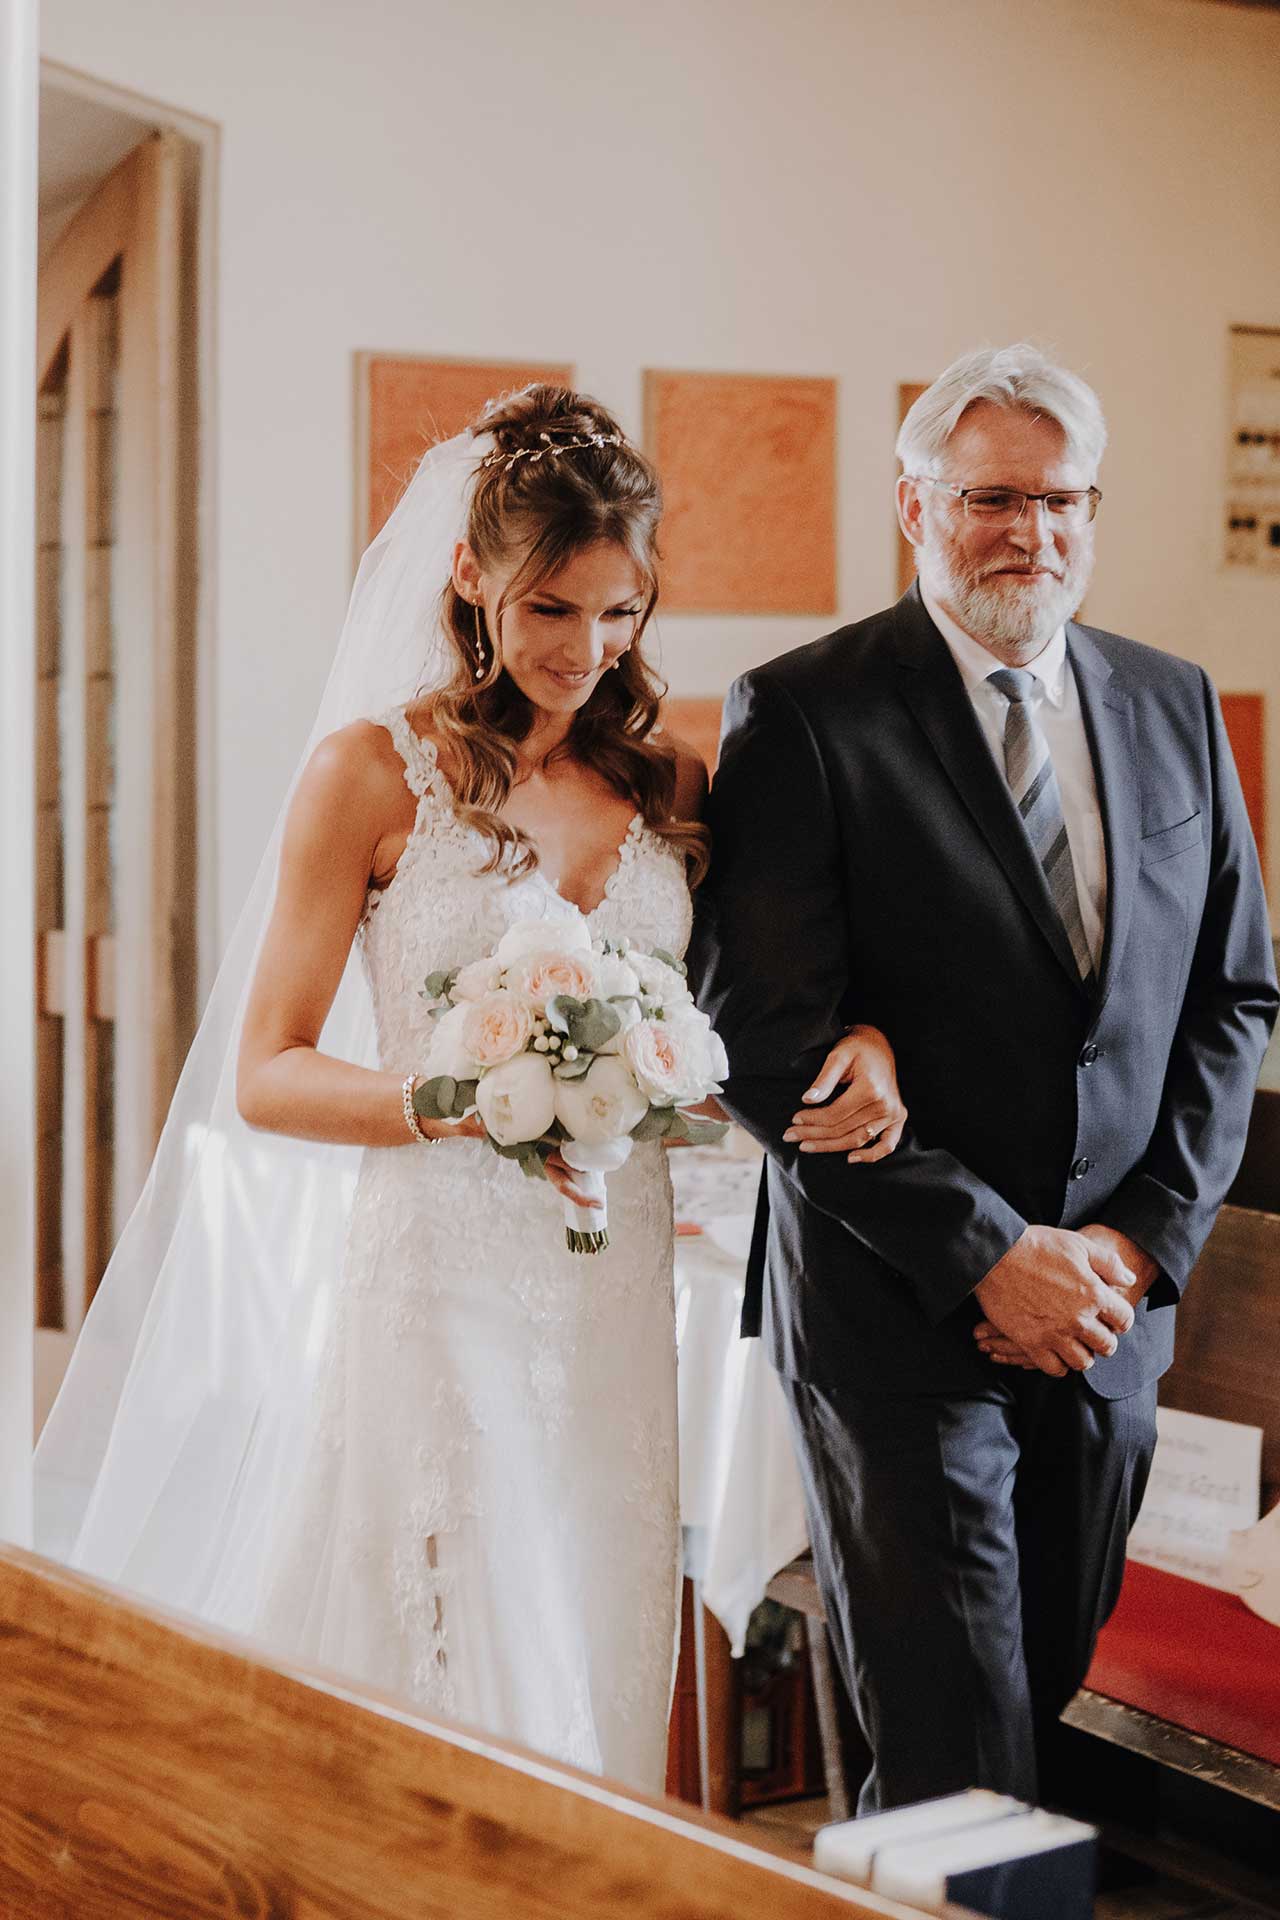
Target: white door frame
19, 88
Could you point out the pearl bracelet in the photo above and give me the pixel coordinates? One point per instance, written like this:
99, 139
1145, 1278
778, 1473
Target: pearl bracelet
410, 1114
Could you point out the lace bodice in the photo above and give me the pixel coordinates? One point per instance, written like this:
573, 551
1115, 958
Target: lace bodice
440, 911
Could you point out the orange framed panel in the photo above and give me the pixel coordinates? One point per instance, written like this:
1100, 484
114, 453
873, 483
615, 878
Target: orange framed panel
909, 392
748, 466
406, 403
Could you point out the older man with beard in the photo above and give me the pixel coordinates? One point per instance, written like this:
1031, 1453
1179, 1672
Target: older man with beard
1018, 846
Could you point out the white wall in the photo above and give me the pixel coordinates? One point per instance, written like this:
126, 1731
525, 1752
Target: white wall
829, 186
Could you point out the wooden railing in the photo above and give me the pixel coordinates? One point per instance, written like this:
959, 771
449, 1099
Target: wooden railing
148, 1766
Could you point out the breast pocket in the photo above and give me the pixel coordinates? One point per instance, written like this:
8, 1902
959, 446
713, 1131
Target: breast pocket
1166, 841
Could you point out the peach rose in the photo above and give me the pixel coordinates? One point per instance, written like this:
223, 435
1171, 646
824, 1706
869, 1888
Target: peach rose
496, 1028
674, 1060
539, 977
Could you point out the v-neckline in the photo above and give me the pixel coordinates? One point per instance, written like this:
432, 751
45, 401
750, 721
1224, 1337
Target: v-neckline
444, 786
634, 828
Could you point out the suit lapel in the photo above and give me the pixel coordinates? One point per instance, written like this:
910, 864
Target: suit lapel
934, 691
1109, 723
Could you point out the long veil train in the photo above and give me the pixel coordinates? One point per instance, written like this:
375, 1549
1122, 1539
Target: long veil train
170, 1445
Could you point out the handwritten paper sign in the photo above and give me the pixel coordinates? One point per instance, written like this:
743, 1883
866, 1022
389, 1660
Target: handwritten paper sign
1205, 1482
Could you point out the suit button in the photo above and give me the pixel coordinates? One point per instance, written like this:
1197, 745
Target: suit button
1089, 1055
1080, 1168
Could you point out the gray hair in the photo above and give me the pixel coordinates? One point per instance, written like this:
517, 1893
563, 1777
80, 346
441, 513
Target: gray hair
1017, 376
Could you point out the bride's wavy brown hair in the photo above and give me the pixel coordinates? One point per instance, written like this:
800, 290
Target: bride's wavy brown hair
540, 513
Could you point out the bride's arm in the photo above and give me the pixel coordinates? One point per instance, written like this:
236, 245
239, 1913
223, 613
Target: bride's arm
345, 802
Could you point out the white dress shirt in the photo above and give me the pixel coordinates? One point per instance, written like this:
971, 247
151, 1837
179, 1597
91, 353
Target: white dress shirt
1056, 705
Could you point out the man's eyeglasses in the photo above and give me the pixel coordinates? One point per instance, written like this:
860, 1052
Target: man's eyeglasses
1005, 506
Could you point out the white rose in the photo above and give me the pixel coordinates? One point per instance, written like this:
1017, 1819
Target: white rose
517, 1101
629, 1013
616, 976
568, 935
660, 982
603, 1104
447, 1052
497, 1028
699, 1042
674, 1061
476, 979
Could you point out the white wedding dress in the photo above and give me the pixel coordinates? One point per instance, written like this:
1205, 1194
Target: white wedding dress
486, 1515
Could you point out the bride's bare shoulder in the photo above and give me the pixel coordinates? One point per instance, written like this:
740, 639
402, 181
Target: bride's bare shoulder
357, 768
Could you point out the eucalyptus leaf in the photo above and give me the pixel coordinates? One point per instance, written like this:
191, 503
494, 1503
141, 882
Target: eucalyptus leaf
465, 1098
437, 985
560, 1011
532, 1165
704, 1133
669, 960
429, 1101
655, 1125
592, 1024
574, 1069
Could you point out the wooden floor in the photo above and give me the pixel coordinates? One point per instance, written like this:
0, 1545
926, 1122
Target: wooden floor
788, 1829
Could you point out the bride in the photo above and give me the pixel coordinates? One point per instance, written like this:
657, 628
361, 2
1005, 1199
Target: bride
365, 1405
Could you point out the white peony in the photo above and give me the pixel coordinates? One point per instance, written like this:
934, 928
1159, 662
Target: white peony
568, 935
675, 1061
476, 979
517, 1101
447, 1050
597, 1156
603, 1104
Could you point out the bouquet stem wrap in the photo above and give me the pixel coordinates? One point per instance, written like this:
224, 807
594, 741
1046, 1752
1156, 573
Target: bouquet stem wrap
586, 1229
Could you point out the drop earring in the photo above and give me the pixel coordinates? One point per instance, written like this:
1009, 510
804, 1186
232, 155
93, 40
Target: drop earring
480, 666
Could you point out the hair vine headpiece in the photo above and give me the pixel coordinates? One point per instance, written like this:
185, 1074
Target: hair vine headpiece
508, 460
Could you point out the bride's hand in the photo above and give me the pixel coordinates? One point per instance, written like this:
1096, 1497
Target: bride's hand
472, 1128
866, 1121
562, 1176
559, 1172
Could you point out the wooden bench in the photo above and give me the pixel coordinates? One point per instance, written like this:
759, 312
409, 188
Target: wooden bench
1183, 1674
148, 1766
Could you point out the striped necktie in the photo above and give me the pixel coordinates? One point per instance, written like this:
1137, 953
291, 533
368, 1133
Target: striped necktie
1034, 787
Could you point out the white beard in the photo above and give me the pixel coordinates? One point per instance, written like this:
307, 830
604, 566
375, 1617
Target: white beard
1020, 615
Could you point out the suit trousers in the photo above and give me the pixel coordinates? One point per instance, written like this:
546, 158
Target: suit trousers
969, 1547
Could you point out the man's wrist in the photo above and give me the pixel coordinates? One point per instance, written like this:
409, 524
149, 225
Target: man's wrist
1144, 1267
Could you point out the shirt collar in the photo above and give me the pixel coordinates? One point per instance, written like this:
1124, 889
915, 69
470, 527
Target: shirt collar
977, 663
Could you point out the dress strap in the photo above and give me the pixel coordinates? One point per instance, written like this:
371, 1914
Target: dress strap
419, 755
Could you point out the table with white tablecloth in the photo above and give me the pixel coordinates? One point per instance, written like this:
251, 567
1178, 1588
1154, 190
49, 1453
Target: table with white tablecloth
741, 1502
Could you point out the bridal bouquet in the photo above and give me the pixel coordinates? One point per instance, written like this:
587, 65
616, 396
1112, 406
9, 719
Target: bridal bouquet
565, 1044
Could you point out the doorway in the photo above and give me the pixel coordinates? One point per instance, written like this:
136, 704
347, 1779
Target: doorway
123, 632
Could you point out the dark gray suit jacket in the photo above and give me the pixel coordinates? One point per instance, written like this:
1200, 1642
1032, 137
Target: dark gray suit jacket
868, 864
